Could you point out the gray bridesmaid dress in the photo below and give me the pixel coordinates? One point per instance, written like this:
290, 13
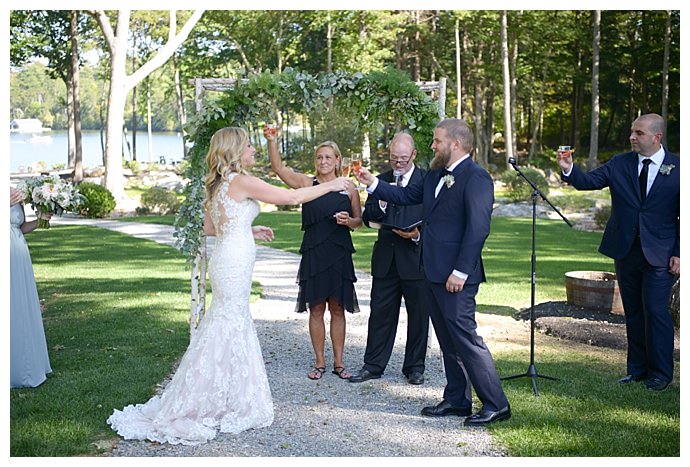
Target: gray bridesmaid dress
29, 363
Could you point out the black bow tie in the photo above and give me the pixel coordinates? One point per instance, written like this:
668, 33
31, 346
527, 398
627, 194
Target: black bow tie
445, 172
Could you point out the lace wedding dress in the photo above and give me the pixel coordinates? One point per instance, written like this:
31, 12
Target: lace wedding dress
221, 382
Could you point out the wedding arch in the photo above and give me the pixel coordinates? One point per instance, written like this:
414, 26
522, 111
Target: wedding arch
371, 98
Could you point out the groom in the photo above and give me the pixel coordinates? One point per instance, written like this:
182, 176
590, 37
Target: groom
457, 197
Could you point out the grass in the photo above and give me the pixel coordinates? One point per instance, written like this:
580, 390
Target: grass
113, 303
98, 282
507, 256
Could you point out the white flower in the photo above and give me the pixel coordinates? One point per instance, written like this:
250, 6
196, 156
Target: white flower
449, 180
665, 169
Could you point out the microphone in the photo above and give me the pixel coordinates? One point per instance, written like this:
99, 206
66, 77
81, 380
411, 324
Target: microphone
512, 161
396, 176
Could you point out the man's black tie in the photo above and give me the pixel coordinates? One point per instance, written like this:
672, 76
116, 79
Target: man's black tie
399, 180
644, 173
445, 172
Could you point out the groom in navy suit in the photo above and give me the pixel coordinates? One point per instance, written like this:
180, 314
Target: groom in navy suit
457, 197
643, 237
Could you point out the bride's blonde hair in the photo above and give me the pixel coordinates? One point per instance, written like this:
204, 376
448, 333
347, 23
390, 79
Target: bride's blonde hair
224, 157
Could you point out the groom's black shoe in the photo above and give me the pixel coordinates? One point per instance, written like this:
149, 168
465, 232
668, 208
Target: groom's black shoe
443, 409
363, 375
484, 417
630, 379
656, 384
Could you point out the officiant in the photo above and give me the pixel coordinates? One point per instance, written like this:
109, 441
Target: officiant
396, 267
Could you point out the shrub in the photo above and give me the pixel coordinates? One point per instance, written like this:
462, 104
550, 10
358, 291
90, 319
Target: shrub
160, 200
517, 189
59, 166
601, 216
134, 166
98, 200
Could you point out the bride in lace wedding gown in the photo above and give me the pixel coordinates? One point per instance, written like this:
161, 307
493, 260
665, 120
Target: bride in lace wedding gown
221, 382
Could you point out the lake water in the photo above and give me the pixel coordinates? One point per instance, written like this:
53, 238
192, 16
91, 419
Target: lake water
51, 147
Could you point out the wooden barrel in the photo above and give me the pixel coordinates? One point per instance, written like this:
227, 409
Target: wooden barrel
595, 290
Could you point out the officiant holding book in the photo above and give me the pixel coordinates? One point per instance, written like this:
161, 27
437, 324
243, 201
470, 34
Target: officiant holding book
396, 267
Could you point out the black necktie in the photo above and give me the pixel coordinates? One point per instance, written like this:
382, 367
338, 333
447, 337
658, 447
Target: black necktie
644, 173
399, 180
445, 172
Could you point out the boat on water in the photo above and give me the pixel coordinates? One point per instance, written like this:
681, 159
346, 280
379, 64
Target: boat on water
39, 139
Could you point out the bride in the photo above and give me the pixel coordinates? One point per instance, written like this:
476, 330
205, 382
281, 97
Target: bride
221, 382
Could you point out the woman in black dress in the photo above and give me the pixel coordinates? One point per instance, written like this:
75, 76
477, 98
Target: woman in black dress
326, 272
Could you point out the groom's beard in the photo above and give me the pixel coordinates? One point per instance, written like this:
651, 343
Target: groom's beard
440, 160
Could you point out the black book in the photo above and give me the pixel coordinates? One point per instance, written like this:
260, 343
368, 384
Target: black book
386, 226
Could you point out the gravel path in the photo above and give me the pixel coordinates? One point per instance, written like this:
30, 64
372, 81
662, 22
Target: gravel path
330, 417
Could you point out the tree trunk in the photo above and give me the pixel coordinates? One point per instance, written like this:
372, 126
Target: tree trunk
117, 94
70, 120
134, 101
458, 76
540, 110
594, 129
508, 130
76, 100
664, 75
512, 63
179, 101
417, 70
121, 84
479, 141
148, 118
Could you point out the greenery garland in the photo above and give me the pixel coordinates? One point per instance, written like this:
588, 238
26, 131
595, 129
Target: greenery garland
371, 99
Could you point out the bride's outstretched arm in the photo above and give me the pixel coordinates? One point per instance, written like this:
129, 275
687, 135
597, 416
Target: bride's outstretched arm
247, 186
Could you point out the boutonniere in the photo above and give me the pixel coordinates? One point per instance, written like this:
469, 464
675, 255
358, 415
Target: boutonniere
665, 169
449, 180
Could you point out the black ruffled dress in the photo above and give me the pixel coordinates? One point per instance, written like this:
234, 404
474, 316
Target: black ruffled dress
326, 269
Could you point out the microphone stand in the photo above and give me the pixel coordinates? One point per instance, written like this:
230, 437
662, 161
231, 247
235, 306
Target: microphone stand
532, 369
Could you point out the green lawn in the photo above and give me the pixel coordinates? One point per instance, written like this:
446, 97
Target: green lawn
96, 283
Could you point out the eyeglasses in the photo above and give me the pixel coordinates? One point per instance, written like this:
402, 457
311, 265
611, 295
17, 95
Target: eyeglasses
400, 161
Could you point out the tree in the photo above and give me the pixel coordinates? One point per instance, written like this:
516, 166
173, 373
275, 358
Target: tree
121, 83
76, 99
52, 34
594, 129
664, 74
508, 130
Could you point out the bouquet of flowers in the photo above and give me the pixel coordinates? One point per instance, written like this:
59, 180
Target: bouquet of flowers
50, 194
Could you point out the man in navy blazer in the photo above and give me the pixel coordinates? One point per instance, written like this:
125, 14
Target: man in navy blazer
643, 238
457, 197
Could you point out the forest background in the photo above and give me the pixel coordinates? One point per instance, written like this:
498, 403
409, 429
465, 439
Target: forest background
567, 77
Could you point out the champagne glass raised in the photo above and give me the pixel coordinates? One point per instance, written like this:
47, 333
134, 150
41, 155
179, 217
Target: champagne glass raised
345, 164
356, 166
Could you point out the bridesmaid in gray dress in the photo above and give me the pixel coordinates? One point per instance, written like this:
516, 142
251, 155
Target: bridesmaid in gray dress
29, 362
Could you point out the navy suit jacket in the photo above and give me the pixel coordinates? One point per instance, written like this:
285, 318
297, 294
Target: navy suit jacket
657, 220
391, 247
456, 223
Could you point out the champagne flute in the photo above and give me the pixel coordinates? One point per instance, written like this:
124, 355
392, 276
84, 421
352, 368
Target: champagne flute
345, 164
270, 129
356, 166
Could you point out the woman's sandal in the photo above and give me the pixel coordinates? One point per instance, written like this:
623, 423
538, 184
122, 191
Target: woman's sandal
317, 373
341, 372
